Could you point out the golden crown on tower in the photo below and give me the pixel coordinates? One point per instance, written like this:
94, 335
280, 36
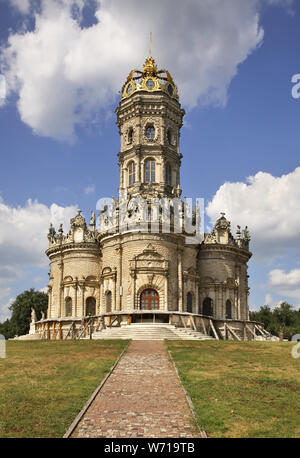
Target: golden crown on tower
150, 80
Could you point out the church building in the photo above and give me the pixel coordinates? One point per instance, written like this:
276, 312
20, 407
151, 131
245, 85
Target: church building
139, 264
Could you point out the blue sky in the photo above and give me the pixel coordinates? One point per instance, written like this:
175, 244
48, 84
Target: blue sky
241, 121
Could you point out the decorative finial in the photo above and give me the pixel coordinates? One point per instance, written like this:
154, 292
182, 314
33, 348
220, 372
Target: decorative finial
223, 214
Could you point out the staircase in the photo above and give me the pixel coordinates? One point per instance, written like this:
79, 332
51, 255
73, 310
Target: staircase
149, 332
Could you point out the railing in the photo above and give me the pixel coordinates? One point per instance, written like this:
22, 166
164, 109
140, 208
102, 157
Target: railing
220, 329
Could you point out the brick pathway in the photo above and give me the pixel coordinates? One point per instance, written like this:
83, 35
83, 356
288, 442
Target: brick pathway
142, 398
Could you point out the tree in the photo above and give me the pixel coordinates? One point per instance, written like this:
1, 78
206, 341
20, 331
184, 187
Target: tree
21, 311
282, 317
6, 330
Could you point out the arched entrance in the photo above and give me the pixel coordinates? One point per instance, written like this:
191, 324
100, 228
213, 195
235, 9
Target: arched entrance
149, 300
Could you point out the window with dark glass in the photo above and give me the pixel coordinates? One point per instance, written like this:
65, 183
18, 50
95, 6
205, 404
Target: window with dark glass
68, 306
208, 307
108, 302
150, 171
189, 300
130, 135
150, 132
228, 310
91, 306
131, 173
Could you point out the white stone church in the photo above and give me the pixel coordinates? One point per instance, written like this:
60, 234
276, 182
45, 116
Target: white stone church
140, 265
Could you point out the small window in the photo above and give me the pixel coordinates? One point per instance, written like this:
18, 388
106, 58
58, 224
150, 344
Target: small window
150, 171
228, 310
150, 132
170, 137
130, 135
68, 306
131, 173
189, 301
108, 302
91, 306
168, 174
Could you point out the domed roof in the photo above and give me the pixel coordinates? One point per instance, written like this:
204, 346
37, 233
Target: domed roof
150, 80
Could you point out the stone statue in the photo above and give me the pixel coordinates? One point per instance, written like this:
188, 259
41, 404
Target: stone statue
93, 219
33, 316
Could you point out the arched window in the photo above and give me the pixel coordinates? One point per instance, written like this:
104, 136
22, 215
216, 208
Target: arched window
150, 132
208, 307
131, 173
130, 135
228, 310
68, 306
108, 302
91, 306
170, 136
189, 302
150, 171
168, 174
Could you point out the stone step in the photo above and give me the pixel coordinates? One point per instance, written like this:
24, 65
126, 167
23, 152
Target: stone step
149, 332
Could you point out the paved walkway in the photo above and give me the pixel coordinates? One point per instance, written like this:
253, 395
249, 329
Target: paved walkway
142, 398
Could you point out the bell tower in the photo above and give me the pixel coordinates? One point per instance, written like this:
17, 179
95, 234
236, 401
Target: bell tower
149, 118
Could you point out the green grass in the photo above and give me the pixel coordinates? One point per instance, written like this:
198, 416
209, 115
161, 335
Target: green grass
44, 385
241, 389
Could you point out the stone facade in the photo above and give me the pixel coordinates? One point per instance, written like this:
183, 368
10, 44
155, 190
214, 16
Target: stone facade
117, 266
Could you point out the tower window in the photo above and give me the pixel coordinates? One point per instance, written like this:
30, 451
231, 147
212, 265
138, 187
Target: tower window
168, 174
130, 135
169, 136
150, 171
150, 132
131, 173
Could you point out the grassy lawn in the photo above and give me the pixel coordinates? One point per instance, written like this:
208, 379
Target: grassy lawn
241, 389
44, 385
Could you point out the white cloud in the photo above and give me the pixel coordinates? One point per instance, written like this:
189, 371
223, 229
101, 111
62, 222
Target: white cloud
64, 73
4, 304
23, 240
269, 206
44, 290
268, 299
23, 231
286, 283
90, 189
22, 5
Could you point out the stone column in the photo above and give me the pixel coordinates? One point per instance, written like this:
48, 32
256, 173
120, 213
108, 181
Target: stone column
166, 292
119, 251
180, 289
82, 300
142, 172
113, 305
75, 290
